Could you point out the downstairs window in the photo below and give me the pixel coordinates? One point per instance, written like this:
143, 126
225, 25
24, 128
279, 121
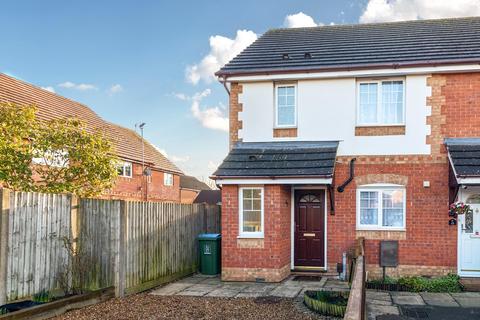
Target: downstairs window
381, 207
251, 212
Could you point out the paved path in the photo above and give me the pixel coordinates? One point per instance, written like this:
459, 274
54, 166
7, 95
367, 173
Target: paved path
383, 302
212, 286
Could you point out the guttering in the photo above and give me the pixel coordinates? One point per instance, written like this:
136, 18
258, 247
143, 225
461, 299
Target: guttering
223, 80
369, 66
289, 181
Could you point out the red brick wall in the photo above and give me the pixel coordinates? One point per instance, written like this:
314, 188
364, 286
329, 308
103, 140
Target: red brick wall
428, 239
273, 252
132, 188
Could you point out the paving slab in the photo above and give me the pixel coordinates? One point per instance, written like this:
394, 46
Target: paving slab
259, 287
171, 289
439, 299
198, 290
378, 295
376, 310
211, 281
223, 292
407, 298
468, 302
285, 291
251, 294
380, 302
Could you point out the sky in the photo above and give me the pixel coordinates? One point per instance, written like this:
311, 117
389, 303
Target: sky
153, 61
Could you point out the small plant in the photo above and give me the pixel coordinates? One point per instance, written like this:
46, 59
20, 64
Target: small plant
449, 283
328, 303
72, 278
3, 311
42, 297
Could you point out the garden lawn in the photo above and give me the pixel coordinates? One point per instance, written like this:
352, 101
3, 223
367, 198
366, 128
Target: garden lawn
147, 306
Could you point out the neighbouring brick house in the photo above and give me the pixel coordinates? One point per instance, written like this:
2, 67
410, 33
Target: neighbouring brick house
190, 187
341, 132
164, 182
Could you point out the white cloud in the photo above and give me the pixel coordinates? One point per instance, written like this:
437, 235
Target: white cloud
179, 159
116, 88
299, 20
210, 117
80, 86
222, 50
49, 88
212, 166
398, 10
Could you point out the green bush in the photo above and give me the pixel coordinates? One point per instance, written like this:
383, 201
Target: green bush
448, 283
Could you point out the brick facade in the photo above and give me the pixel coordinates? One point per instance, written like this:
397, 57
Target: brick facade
253, 259
380, 131
234, 108
285, 132
133, 188
428, 246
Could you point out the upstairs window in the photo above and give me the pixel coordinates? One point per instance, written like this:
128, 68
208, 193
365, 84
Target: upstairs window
124, 169
168, 179
286, 106
381, 207
381, 102
251, 212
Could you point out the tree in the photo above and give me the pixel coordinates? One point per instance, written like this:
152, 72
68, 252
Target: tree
59, 155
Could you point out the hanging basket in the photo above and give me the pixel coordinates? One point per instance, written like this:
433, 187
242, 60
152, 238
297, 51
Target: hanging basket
459, 208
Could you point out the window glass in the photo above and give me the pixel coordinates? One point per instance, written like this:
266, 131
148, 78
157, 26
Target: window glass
124, 169
251, 210
382, 208
392, 101
368, 102
168, 179
286, 106
381, 102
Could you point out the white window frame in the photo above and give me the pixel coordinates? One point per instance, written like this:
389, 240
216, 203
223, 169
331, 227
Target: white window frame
379, 102
284, 85
124, 164
380, 188
167, 179
248, 234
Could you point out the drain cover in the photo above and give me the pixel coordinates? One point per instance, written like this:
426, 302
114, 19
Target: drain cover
307, 278
415, 313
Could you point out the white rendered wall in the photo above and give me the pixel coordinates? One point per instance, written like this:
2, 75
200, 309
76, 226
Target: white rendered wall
327, 111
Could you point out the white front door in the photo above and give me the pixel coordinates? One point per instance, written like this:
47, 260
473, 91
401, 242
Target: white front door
469, 243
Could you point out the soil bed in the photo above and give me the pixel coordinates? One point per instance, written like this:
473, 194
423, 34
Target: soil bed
146, 306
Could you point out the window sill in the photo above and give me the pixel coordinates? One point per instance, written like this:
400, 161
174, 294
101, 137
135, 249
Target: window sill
381, 229
251, 236
381, 234
380, 130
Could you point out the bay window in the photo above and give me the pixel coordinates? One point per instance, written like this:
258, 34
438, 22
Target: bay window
381, 207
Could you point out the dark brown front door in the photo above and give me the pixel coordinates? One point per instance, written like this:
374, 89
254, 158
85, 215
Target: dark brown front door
309, 228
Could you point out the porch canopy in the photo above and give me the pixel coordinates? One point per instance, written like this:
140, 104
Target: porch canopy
282, 162
464, 156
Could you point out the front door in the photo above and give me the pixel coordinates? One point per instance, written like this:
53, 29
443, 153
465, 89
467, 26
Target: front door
309, 240
469, 242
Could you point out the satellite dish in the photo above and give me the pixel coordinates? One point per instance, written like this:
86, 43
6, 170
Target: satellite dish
147, 172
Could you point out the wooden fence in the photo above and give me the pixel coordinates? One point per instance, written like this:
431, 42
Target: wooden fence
356, 307
130, 245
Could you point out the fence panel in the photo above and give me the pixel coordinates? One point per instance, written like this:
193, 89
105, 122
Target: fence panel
36, 254
98, 224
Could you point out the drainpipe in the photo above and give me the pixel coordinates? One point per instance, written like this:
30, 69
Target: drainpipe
350, 178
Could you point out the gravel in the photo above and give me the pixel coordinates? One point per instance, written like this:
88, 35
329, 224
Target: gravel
146, 306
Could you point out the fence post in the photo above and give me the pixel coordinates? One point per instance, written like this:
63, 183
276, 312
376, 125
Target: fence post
4, 217
121, 252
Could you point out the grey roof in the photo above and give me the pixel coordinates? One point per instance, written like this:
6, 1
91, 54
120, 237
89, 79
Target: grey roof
279, 159
189, 182
464, 156
209, 196
346, 47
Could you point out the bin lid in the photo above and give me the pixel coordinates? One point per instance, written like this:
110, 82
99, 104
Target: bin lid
209, 236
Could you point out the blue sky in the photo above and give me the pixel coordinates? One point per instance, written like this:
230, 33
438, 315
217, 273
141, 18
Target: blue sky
141, 61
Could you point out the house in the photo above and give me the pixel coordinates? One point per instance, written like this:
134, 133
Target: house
209, 197
164, 182
342, 132
190, 187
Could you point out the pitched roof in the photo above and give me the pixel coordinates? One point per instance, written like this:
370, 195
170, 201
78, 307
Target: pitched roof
189, 182
360, 46
209, 196
127, 143
464, 154
279, 159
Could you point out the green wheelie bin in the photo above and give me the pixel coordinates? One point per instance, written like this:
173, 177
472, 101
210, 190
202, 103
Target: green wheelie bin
210, 249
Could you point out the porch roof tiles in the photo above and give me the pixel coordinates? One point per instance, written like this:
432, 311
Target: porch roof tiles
279, 159
464, 154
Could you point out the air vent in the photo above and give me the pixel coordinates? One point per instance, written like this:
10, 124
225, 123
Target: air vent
308, 55
285, 56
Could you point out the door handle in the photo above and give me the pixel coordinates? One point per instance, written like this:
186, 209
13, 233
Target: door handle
309, 234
